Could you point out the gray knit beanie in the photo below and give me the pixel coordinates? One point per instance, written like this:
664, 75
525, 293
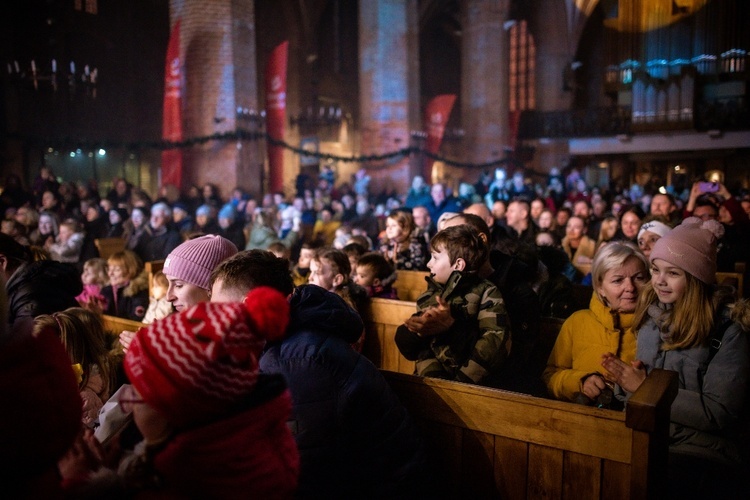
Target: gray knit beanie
193, 261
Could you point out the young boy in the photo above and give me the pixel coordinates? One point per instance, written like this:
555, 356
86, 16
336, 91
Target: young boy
301, 272
330, 269
376, 275
475, 338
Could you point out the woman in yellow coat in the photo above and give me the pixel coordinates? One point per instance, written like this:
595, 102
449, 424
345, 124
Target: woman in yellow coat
574, 370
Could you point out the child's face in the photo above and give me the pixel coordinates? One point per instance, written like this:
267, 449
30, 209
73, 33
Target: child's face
7, 227
669, 282
65, 234
393, 231
364, 276
158, 291
305, 256
440, 265
321, 274
353, 264
88, 277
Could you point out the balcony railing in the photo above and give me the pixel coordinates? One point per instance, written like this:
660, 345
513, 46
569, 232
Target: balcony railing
724, 114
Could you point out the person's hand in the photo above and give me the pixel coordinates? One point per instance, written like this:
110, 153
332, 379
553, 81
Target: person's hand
723, 191
695, 191
593, 386
628, 376
432, 321
126, 338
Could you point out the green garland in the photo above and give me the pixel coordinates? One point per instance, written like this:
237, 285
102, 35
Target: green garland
68, 143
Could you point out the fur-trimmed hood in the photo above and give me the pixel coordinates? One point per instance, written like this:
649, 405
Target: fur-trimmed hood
136, 285
740, 313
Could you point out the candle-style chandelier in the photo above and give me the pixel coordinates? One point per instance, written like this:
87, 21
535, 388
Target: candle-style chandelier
75, 77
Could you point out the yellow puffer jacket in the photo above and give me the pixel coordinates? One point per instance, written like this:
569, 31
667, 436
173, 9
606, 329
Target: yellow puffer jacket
582, 340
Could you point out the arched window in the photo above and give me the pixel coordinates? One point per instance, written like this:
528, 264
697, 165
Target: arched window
521, 81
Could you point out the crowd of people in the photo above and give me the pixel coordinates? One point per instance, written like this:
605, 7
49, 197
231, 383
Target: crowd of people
252, 348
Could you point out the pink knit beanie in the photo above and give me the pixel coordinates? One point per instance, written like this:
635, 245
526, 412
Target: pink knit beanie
193, 261
196, 365
691, 246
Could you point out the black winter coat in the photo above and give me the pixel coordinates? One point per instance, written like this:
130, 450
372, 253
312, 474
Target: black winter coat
355, 438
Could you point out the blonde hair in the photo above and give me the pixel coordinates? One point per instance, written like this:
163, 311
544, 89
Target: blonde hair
160, 279
691, 318
99, 266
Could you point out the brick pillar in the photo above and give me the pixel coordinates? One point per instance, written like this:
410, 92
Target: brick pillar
387, 65
218, 52
555, 50
484, 79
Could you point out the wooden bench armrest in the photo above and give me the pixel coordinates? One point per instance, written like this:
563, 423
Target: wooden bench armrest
115, 325
652, 401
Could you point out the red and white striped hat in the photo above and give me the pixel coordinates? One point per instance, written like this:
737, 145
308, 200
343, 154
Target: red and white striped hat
195, 365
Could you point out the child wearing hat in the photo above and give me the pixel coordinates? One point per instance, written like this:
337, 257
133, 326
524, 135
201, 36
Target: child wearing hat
684, 324
213, 425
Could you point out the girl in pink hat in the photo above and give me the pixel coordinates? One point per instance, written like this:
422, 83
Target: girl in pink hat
684, 323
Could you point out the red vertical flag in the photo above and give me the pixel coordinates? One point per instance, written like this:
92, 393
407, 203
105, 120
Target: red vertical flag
171, 159
435, 118
276, 113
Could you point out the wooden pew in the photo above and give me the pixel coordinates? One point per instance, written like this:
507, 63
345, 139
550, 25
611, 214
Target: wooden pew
489, 443
410, 284
382, 317
109, 246
735, 280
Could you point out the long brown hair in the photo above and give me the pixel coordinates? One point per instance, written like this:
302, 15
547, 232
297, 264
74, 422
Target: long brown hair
689, 321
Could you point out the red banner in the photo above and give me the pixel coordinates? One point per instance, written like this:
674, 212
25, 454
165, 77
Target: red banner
171, 159
435, 118
276, 114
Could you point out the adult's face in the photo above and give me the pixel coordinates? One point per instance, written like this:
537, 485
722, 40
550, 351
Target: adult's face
545, 220
421, 217
537, 206
620, 286
438, 193
574, 229
516, 213
183, 295
158, 219
137, 218
630, 223
45, 224
706, 212
660, 205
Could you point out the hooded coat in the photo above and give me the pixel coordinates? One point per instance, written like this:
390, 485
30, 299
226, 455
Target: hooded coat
130, 301
354, 437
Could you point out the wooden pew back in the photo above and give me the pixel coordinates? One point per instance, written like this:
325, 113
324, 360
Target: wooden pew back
109, 246
382, 317
410, 285
489, 443
735, 280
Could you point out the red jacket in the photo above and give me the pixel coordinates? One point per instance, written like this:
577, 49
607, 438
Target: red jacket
250, 454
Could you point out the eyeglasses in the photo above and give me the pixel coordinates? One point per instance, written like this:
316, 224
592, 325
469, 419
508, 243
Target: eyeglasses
128, 398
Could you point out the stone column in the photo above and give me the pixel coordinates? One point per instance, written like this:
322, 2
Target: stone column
555, 51
388, 62
218, 52
484, 79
